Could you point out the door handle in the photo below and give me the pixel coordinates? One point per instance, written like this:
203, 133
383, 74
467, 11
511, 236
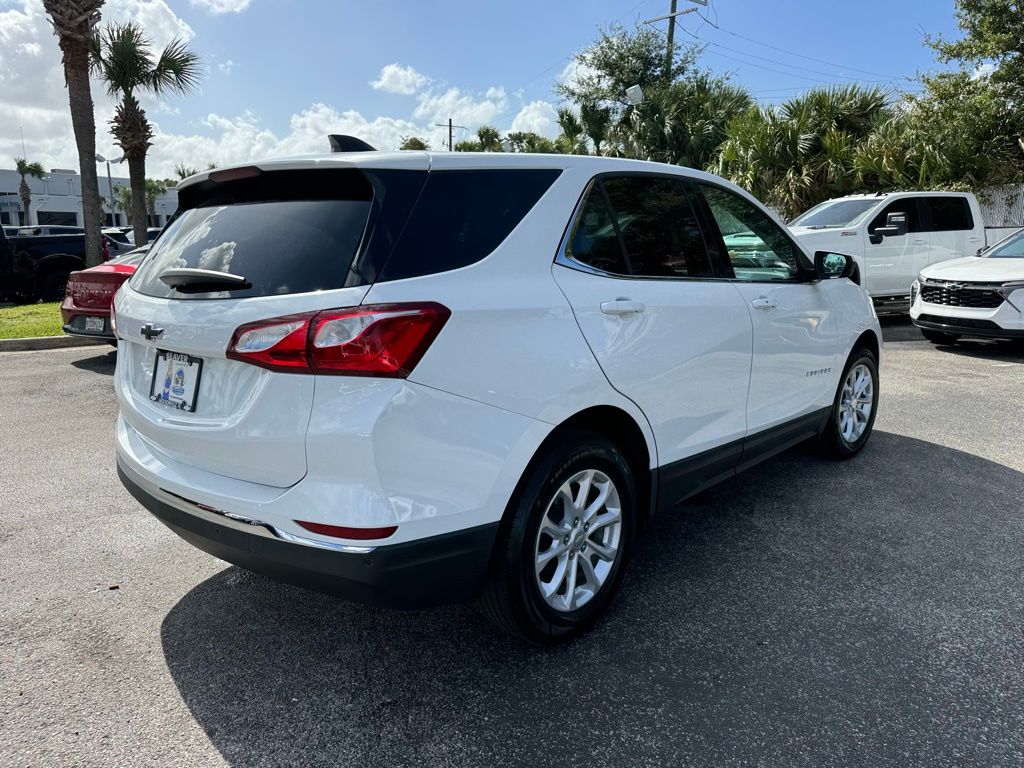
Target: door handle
622, 307
973, 239
763, 302
920, 242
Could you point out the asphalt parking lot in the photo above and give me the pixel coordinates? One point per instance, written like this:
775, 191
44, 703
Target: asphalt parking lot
866, 613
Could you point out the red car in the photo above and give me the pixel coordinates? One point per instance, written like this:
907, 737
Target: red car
90, 294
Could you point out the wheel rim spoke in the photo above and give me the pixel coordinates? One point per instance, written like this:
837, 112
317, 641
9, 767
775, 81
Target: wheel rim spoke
855, 403
578, 540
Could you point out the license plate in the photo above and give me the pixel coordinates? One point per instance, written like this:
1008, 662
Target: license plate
176, 380
94, 324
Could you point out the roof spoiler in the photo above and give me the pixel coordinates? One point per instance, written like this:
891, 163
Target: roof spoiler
342, 143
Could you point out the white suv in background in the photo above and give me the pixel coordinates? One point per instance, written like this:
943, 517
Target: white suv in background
980, 295
416, 378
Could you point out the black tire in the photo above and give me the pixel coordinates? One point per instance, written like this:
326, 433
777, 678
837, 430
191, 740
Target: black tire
832, 440
938, 337
53, 284
512, 597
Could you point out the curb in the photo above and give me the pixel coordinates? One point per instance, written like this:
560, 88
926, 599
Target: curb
48, 342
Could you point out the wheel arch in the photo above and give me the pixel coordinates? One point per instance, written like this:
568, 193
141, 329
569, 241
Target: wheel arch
868, 340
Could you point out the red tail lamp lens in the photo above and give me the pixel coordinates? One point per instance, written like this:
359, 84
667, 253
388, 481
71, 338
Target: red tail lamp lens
344, 532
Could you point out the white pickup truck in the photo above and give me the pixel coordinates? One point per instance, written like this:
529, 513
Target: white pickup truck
893, 236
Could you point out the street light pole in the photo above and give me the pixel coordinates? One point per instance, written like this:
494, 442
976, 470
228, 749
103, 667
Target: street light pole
110, 183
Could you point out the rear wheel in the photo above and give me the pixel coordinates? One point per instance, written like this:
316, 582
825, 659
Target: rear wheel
53, 284
561, 557
853, 411
938, 337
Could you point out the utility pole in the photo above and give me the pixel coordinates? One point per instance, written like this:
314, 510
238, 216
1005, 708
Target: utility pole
451, 132
671, 41
672, 32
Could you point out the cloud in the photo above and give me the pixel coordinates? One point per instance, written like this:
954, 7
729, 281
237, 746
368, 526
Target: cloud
537, 117
394, 78
463, 107
222, 6
983, 71
226, 66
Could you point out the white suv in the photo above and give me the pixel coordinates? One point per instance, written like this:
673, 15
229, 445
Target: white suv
415, 378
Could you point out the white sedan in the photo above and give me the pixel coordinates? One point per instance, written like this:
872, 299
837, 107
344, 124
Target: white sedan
979, 295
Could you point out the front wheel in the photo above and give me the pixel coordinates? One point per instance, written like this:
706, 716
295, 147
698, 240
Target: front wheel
853, 411
561, 556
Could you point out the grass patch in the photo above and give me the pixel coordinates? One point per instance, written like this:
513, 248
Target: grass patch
30, 320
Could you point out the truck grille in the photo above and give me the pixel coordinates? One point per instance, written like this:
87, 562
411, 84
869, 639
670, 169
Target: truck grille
951, 294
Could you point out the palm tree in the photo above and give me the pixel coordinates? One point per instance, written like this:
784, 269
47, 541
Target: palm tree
74, 22
121, 56
123, 200
596, 121
489, 138
154, 188
25, 168
183, 171
571, 139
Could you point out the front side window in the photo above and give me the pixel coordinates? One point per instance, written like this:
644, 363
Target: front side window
757, 247
949, 214
907, 206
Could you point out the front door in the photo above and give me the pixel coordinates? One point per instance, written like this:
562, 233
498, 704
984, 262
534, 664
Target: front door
893, 263
795, 343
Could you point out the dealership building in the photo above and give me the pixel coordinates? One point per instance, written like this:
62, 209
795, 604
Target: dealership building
57, 199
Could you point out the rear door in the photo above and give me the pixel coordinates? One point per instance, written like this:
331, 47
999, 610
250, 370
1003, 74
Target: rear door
295, 237
893, 263
668, 332
795, 335
951, 228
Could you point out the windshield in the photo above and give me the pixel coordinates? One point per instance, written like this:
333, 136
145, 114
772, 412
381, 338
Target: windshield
1011, 248
834, 213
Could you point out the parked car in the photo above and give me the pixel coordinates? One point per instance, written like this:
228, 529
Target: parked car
981, 295
49, 229
892, 237
36, 267
151, 233
420, 378
90, 295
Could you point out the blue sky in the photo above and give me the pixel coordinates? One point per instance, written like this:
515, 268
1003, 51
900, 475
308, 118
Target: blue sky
281, 73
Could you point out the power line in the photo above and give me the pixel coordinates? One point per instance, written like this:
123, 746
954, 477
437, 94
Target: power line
793, 53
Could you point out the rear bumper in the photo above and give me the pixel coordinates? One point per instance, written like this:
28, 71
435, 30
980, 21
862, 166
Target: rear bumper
439, 570
75, 326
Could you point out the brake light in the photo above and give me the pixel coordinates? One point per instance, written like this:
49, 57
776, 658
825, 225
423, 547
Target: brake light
386, 340
344, 532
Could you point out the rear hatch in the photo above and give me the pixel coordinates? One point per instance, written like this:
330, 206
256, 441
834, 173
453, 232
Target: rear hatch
277, 242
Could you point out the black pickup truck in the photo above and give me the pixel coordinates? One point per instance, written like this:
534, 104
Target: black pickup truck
37, 267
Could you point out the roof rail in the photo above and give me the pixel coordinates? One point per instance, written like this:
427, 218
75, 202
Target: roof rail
342, 143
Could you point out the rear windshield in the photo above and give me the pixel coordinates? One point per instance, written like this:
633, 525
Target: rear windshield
279, 246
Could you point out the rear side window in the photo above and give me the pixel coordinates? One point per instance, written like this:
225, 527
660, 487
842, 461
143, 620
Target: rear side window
462, 216
907, 206
266, 231
659, 229
594, 241
948, 213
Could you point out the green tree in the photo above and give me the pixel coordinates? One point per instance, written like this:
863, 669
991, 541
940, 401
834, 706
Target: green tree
24, 169
596, 120
123, 200
413, 142
571, 140
489, 138
154, 188
993, 34
804, 151
122, 58
74, 22
528, 141
683, 124
183, 171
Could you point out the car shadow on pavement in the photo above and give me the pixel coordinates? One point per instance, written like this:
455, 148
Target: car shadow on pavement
812, 613
101, 363
986, 349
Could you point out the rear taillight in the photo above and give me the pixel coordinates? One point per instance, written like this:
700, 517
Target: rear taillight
376, 340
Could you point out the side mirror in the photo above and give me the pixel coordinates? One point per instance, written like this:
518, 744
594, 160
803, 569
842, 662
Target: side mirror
895, 226
829, 265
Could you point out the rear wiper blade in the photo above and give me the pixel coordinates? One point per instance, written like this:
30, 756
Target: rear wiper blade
189, 280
